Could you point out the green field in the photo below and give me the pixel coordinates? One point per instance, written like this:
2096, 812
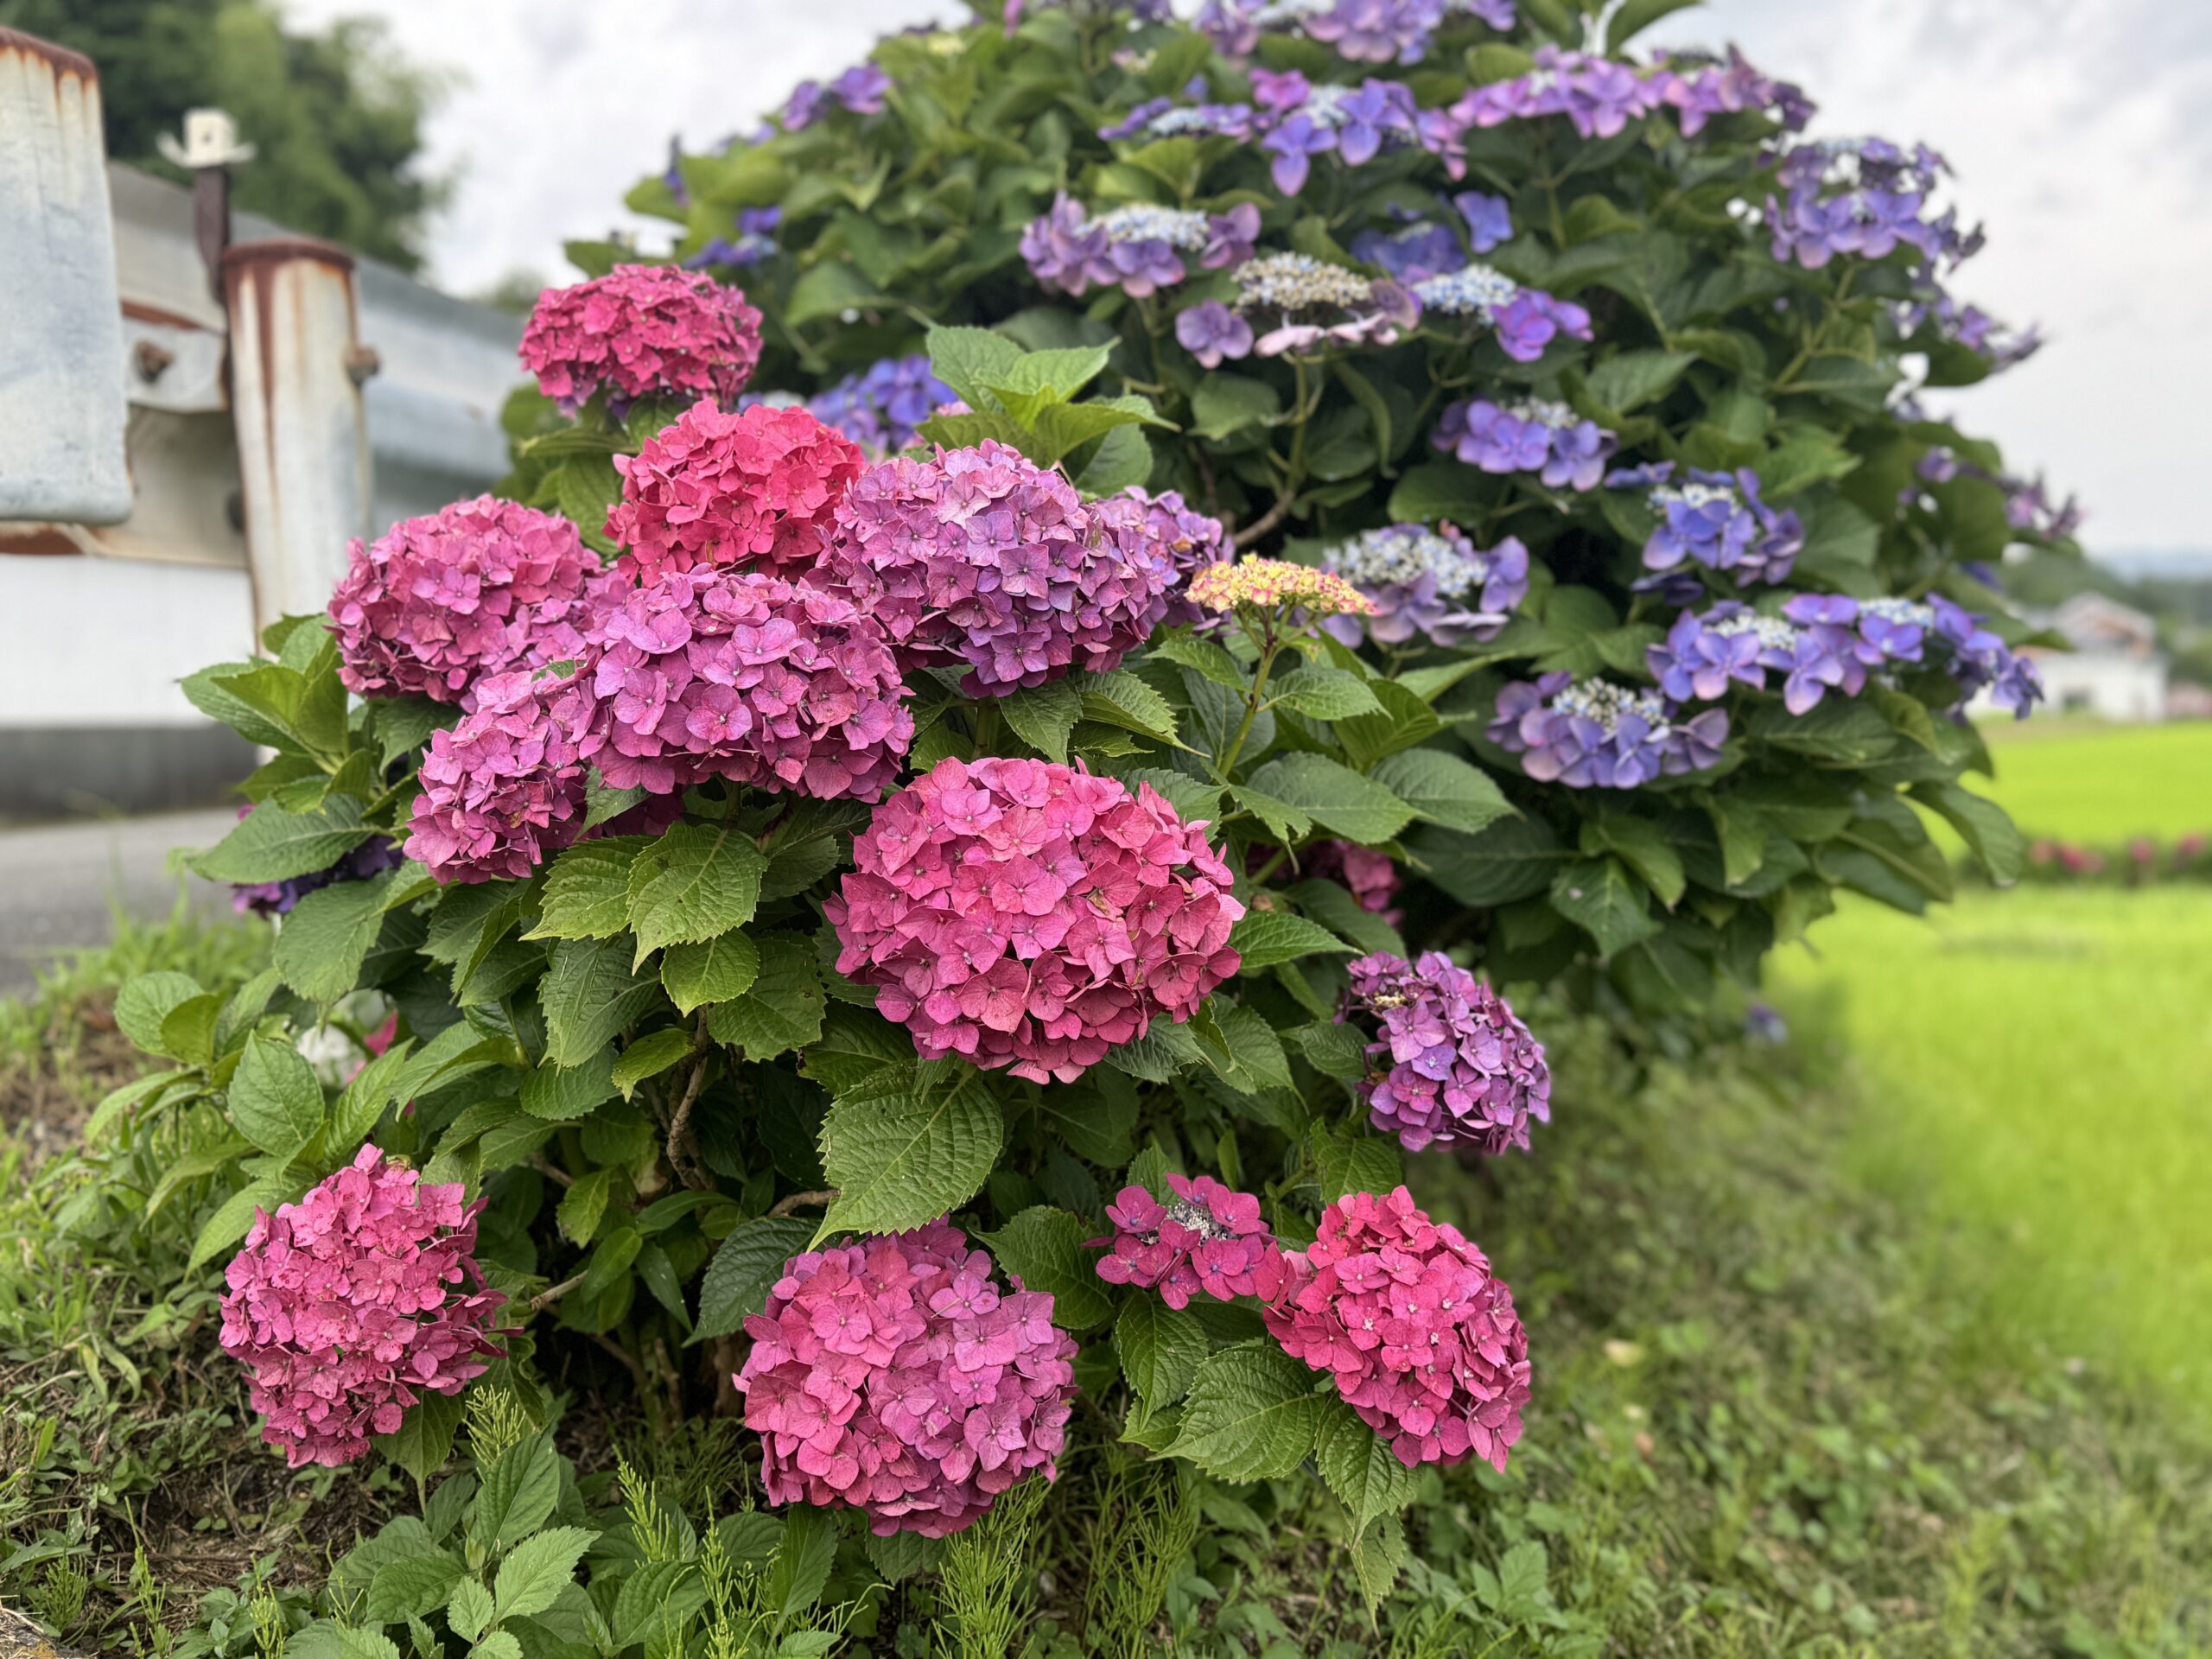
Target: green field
2033, 1067
2104, 784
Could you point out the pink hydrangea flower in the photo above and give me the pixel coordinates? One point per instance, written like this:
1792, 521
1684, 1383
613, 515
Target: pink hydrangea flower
348, 1306
1178, 542
1030, 916
1451, 1061
1403, 1313
1206, 1238
981, 557
436, 603
1368, 875
754, 488
641, 331
898, 1377
714, 673
504, 789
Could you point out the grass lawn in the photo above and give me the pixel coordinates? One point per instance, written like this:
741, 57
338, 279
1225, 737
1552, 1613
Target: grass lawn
2103, 783
2034, 1062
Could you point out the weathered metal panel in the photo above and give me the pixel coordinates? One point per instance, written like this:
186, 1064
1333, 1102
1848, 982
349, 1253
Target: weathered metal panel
61, 401
295, 403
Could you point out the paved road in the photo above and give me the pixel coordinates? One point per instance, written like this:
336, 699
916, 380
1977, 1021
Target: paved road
60, 883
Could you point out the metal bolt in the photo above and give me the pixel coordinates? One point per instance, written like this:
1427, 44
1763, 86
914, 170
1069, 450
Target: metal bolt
361, 362
153, 357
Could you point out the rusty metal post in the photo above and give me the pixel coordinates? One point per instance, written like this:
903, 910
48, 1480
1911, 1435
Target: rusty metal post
295, 402
61, 367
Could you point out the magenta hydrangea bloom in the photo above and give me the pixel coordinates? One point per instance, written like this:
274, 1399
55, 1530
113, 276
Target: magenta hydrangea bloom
711, 673
436, 603
897, 1377
1030, 916
504, 789
1403, 1313
1451, 1062
348, 1306
1179, 541
1206, 1238
983, 557
754, 488
641, 331
1370, 876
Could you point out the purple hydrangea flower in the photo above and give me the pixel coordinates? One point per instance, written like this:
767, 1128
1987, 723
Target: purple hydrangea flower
1211, 332
1139, 248
1362, 31
372, 857
1489, 220
880, 407
1599, 96
1702, 91
755, 240
1435, 583
1593, 733
1533, 436
1451, 1061
1717, 520
1525, 320
1731, 642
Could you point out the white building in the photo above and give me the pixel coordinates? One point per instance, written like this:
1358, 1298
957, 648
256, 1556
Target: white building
2113, 671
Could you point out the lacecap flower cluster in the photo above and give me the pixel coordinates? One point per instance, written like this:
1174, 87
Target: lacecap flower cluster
348, 1306
1714, 520
1362, 31
1433, 584
479, 588
1595, 734
898, 1377
1402, 1312
1266, 584
1451, 1061
983, 558
641, 331
1206, 1238
1139, 248
1030, 916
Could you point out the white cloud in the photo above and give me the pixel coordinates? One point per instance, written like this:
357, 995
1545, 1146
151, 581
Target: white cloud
2077, 126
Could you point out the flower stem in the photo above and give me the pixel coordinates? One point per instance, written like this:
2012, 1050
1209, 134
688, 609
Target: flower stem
1270, 647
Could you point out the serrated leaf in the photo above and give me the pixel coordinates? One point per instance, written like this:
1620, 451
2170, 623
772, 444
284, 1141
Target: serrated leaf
649, 1056
538, 1569
1323, 693
967, 359
584, 1205
587, 894
275, 1100
1159, 1348
1284, 822
271, 845
233, 1219
1513, 859
1644, 847
1253, 1414
1405, 719
909, 1150
590, 993
1982, 824
424, 1440
1334, 796
696, 881
1264, 937
1241, 1046
1378, 1554
1598, 896
146, 1000
518, 1492
1348, 1159
468, 1610
324, 941
1122, 699
1043, 715
564, 1094
782, 1010
414, 1586
715, 970
1044, 1247
1201, 657
1332, 1048
1443, 789
747, 1264
1359, 1466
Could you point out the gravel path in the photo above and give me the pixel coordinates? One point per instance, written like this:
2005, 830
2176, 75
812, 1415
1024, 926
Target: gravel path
60, 883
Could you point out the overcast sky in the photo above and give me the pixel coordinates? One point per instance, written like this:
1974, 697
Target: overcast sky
2082, 130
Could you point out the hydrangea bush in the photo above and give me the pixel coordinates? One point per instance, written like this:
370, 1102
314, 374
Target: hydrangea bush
1205, 562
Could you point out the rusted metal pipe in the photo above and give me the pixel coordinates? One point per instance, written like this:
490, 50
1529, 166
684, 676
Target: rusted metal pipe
302, 434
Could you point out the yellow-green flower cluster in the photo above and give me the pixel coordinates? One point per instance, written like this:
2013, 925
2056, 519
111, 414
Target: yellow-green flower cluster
1266, 583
